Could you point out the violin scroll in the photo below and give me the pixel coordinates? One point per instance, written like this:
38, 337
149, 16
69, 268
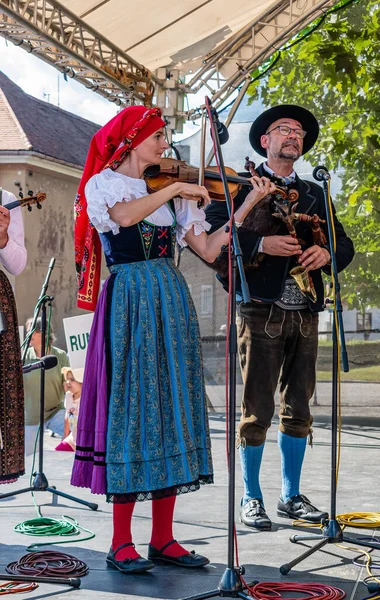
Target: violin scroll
280, 193
32, 199
293, 195
28, 201
249, 166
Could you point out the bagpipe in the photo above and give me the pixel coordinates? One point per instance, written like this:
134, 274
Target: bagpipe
277, 214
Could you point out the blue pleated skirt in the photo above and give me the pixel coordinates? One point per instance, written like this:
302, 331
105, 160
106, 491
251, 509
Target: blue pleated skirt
158, 441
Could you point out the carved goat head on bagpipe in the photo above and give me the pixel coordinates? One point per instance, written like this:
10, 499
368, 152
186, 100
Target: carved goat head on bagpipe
275, 215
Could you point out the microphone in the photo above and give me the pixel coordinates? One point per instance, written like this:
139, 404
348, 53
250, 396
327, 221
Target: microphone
46, 362
222, 130
320, 173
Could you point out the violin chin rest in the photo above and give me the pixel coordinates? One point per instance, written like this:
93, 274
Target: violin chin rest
152, 171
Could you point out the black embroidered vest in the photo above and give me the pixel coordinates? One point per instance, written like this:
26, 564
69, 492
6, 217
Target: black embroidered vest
143, 241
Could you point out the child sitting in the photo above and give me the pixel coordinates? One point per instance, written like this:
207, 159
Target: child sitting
73, 385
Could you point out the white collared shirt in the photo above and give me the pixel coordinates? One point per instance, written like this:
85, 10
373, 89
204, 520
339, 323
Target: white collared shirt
270, 171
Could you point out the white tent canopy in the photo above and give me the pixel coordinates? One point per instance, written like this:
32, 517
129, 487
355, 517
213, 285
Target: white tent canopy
131, 52
171, 34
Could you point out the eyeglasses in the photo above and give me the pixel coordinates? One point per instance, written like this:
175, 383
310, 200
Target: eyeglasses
285, 130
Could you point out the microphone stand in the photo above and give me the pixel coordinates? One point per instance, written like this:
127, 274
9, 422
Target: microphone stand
230, 584
37, 310
40, 482
332, 532
74, 582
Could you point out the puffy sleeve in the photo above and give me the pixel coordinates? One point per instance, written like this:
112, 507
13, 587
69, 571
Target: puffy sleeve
189, 216
13, 255
103, 192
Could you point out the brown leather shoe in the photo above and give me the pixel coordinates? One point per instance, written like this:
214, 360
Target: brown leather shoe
128, 565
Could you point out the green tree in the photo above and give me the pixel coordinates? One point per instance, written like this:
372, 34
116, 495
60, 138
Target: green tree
335, 73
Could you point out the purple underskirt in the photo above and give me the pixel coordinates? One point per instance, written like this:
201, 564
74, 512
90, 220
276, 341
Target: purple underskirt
93, 414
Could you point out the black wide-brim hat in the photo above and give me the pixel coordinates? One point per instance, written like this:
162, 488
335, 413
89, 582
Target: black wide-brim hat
284, 111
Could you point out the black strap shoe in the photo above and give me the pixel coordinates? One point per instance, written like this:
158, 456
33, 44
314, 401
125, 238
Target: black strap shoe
191, 560
253, 514
300, 507
128, 565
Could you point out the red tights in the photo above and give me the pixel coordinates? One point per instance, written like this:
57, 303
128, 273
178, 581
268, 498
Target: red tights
162, 528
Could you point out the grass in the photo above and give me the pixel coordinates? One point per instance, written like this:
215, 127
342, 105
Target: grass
362, 374
348, 342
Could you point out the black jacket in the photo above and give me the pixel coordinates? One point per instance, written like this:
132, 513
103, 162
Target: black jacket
266, 282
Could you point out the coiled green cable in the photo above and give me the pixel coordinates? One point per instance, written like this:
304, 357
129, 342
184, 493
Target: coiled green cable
44, 526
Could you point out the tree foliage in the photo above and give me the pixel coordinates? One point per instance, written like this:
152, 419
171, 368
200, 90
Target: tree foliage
335, 73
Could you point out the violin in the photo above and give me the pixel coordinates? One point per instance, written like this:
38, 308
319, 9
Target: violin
171, 170
28, 201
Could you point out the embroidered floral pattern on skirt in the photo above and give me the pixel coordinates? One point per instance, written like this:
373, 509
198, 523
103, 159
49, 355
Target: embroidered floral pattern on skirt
11, 390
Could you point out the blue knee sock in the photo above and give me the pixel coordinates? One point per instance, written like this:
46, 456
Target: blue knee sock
292, 454
250, 458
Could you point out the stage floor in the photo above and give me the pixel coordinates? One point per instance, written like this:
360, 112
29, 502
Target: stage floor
201, 522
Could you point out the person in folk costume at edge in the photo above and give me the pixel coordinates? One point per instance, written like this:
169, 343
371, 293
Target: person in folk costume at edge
278, 334
142, 429
13, 259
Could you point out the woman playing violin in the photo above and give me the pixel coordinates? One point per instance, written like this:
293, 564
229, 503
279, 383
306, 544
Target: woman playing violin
154, 444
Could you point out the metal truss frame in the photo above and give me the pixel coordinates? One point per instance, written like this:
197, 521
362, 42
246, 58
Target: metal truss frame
57, 36
228, 69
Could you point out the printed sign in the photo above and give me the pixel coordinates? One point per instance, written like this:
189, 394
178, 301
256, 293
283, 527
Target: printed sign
77, 332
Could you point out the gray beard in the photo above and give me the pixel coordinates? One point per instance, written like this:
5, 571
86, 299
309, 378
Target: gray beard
287, 156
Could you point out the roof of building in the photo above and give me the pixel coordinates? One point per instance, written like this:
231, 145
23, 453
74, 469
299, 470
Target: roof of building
27, 123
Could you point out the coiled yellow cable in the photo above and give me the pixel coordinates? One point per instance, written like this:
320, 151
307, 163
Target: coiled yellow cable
363, 520
367, 520
367, 563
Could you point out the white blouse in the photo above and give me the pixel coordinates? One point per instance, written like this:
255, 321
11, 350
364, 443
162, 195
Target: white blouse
13, 255
108, 187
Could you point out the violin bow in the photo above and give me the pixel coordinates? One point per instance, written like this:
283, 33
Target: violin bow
201, 173
201, 176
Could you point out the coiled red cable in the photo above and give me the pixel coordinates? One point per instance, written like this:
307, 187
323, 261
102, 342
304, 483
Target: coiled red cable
49, 564
14, 587
268, 590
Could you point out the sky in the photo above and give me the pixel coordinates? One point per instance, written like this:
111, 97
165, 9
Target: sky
39, 79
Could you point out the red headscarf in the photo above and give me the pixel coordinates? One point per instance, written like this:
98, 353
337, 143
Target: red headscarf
130, 127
